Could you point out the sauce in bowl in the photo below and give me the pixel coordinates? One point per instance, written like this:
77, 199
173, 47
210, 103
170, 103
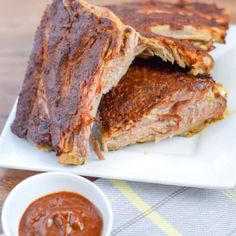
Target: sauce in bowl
61, 214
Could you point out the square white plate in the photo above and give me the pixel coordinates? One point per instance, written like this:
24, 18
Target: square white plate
205, 160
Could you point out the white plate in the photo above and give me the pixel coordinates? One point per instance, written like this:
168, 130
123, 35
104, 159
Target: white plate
205, 160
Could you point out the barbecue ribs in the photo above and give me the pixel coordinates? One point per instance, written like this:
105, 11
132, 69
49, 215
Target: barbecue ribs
156, 100
80, 52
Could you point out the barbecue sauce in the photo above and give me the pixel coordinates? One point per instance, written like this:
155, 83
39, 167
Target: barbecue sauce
61, 214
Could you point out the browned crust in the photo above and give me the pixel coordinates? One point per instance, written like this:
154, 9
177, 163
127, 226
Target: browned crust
64, 79
74, 45
143, 15
146, 16
156, 100
147, 84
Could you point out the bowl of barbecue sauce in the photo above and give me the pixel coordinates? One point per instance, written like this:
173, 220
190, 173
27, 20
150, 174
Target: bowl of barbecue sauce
57, 204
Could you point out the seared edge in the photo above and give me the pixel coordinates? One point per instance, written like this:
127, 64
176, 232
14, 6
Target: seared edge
178, 19
74, 61
177, 32
156, 102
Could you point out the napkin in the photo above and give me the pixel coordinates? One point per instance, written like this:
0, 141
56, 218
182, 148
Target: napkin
142, 209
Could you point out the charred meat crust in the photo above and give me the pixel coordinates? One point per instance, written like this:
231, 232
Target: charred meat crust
80, 52
148, 16
148, 84
73, 46
176, 15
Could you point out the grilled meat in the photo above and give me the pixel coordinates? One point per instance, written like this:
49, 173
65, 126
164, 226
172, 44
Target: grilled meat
80, 52
156, 100
194, 21
176, 30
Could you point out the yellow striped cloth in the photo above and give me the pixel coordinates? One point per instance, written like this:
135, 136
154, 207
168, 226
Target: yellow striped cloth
143, 209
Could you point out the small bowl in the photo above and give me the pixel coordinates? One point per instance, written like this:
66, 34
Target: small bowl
40, 185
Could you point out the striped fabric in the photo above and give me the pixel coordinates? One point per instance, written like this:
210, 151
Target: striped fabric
142, 209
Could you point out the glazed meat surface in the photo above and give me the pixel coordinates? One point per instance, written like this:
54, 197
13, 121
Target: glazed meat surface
185, 20
177, 30
156, 100
80, 52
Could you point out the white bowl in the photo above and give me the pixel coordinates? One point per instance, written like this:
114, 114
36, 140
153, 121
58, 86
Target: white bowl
42, 184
